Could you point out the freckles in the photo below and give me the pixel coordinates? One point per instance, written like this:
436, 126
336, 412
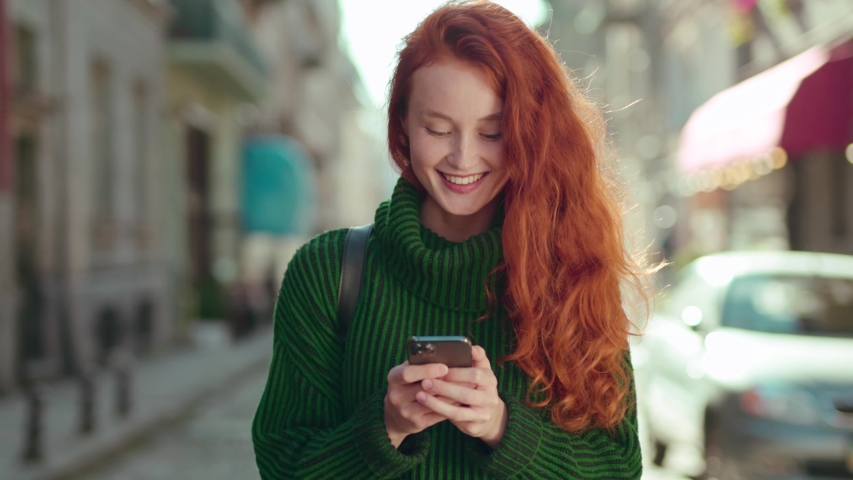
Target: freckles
494, 153
495, 161
427, 153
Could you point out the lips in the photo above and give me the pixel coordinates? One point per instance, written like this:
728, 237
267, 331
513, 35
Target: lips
462, 184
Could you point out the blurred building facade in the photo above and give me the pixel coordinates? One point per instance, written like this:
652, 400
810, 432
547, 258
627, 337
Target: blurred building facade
612, 47
86, 254
316, 98
657, 67
258, 90
214, 71
124, 194
7, 299
760, 102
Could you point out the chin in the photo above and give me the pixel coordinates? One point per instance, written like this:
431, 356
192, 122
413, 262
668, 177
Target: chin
462, 210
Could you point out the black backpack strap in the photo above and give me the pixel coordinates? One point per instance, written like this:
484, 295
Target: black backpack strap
352, 275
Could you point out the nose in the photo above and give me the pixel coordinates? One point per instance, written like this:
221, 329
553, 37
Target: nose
464, 154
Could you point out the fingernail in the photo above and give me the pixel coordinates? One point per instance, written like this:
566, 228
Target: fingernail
427, 384
421, 397
442, 370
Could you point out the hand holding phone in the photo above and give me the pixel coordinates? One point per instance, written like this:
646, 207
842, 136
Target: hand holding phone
403, 414
469, 398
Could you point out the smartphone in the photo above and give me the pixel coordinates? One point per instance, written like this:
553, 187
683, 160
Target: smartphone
455, 352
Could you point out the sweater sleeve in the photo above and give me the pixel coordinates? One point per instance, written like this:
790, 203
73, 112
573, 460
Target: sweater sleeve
533, 446
300, 429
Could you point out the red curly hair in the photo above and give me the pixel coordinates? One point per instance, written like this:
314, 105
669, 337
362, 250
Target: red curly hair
564, 257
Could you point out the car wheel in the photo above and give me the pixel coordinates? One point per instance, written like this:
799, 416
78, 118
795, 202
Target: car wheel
659, 453
713, 453
718, 465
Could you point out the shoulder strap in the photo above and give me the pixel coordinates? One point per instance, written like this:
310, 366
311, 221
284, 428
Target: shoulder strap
352, 268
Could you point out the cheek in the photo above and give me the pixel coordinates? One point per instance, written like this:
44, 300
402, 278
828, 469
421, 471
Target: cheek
496, 156
425, 152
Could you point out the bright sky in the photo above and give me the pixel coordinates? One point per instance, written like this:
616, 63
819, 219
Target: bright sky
373, 29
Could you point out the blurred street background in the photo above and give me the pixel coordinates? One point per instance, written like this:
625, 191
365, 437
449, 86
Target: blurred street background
161, 160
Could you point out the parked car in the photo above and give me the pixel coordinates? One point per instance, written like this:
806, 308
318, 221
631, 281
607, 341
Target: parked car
746, 369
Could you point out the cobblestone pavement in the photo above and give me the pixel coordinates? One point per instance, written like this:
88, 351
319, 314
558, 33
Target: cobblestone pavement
165, 388
214, 443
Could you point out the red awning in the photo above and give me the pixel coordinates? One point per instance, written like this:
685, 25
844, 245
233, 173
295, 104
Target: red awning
803, 104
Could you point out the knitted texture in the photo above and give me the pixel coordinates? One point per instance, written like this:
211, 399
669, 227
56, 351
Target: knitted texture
321, 414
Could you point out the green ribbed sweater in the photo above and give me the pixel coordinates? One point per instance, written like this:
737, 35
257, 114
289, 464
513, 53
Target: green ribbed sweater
321, 414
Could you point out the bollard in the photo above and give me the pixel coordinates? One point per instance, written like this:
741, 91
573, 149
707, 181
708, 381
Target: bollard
87, 403
123, 391
33, 434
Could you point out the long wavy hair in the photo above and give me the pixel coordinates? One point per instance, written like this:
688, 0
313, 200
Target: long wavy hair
564, 252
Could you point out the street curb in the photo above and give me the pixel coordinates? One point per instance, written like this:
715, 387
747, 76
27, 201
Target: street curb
106, 447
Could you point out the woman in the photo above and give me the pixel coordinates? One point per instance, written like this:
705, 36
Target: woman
502, 228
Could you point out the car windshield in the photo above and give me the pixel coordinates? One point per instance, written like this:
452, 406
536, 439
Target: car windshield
791, 304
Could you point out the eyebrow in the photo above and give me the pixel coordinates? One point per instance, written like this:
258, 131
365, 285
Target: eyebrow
434, 114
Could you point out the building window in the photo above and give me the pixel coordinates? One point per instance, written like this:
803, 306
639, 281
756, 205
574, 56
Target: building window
140, 158
25, 59
101, 133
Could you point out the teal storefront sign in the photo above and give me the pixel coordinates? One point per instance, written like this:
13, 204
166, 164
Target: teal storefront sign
278, 188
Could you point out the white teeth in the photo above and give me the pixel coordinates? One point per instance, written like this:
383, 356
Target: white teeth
463, 180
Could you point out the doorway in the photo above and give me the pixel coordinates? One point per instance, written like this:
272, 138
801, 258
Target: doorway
199, 214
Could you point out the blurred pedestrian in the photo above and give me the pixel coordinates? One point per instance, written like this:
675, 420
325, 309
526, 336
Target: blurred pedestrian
505, 227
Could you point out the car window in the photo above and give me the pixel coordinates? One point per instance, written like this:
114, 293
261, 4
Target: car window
805, 305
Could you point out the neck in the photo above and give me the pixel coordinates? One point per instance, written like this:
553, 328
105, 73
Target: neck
456, 228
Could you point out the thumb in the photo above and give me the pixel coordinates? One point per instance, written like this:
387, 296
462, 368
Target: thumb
479, 357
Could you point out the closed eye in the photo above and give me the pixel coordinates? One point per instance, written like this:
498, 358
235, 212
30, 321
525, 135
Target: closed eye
493, 137
437, 134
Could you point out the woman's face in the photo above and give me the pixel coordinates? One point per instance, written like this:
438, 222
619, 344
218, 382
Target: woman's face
454, 128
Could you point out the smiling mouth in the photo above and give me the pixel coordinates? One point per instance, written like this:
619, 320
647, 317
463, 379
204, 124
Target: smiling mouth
463, 180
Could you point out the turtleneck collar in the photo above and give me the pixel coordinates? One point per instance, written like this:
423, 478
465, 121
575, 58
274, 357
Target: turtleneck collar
449, 274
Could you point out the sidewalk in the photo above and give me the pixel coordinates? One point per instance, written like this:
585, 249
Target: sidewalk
164, 389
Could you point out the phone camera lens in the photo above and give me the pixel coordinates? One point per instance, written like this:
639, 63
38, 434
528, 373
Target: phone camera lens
417, 348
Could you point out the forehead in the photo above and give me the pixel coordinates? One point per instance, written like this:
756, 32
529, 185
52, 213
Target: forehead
454, 89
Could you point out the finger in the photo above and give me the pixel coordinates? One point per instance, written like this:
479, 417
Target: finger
415, 373
464, 384
395, 374
480, 377
415, 410
400, 395
446, 400
458, 393
429, 419
421, 416
479, 357
467, 385
451, 412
